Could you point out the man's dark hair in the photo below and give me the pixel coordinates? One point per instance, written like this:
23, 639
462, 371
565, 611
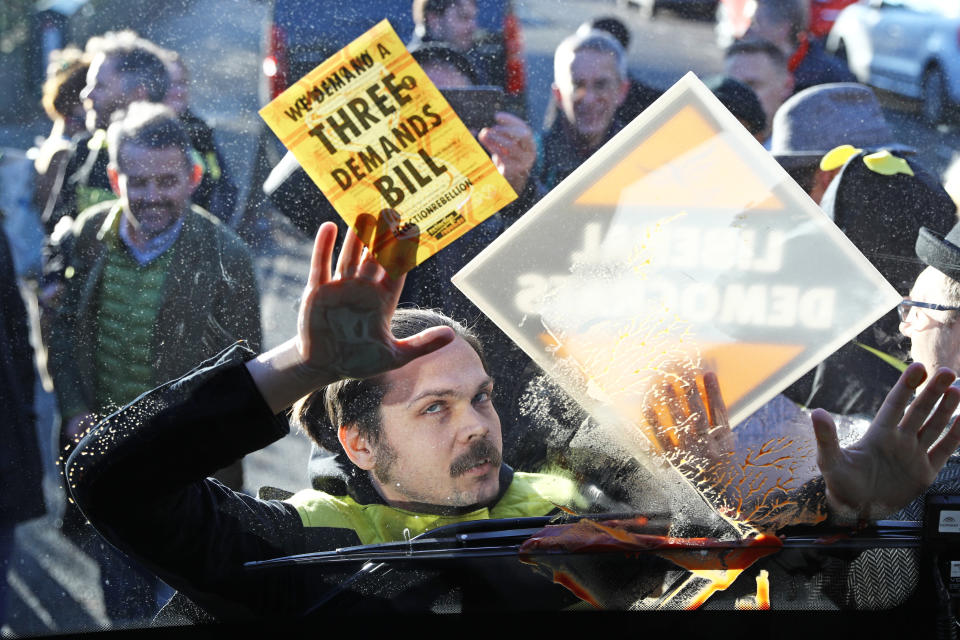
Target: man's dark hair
66, 78
437, 53
357, 402
138, 59
752, 45
794, 13
613, 26
740, 100
150, 125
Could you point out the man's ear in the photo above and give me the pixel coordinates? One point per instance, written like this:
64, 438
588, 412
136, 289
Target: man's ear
822, 180
356, 446
196, 175
555, 90
114, 177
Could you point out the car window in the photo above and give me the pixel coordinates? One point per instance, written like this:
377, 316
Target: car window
118, 305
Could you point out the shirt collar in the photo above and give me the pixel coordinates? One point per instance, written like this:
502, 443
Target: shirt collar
155, 247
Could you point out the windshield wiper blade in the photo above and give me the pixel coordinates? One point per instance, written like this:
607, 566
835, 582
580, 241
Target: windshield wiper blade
501, 543
464, 543
458, 538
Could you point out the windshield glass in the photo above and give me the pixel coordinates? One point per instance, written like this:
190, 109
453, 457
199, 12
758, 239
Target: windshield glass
656, 276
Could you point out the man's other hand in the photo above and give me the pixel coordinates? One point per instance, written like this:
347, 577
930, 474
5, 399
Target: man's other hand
512, 148
901, 453
698, 429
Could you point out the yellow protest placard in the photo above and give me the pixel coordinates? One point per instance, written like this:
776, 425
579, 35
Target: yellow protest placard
378, 138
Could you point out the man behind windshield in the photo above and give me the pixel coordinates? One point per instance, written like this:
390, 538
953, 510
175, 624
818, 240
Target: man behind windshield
412, 412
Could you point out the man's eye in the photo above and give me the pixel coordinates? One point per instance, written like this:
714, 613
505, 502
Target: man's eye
436, 407
483, 396
165, 182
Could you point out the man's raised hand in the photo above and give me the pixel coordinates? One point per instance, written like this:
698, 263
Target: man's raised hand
900, 455
343, 327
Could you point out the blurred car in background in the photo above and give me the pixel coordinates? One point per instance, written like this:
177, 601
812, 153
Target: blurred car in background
907, 47
300, 34
824, 13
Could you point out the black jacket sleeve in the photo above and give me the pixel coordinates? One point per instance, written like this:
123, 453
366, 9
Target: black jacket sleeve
140, 478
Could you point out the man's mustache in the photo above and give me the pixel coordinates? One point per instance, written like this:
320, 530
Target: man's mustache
480, 451
151, 204
169, 204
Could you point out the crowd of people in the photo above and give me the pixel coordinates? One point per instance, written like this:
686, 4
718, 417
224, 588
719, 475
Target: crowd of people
144, 279
140, 273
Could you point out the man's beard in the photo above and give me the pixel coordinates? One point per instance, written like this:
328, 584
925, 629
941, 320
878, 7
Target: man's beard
383, 461
163, 212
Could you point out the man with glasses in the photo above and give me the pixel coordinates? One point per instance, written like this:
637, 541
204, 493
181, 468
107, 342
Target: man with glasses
929, 316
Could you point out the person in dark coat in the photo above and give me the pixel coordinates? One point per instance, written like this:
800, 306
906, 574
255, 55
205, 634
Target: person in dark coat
786, 23
21, 472
454, 23
811, 123
513, 149
880, 201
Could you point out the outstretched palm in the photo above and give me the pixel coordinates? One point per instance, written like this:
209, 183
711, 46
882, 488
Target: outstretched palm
344, 319
901, 453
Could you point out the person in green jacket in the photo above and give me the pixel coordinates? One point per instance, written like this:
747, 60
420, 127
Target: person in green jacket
152, 282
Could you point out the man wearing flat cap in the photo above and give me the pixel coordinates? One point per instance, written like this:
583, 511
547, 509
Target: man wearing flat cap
929, 316
814, 121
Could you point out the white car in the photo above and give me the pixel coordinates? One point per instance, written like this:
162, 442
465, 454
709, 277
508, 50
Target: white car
908, 47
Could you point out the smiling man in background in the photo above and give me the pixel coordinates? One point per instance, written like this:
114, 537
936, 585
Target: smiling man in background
151, 282
589, 83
